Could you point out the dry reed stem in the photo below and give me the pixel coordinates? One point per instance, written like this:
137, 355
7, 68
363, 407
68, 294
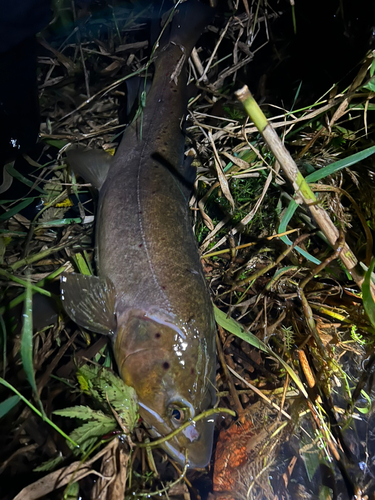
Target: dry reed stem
303, 192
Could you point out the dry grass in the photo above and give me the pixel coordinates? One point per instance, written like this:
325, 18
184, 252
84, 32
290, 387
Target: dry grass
311, 315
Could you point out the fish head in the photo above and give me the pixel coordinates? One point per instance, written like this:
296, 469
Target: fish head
172, 369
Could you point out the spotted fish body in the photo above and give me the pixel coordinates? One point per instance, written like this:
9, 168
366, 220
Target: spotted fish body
151, 296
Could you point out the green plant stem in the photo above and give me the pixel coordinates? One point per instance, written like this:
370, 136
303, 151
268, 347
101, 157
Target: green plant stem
40, 283
30, 405
205, 414
24, 283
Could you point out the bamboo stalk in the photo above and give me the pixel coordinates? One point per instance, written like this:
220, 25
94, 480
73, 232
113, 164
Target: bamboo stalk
302, 190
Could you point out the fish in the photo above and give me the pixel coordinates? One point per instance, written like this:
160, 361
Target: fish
150, 296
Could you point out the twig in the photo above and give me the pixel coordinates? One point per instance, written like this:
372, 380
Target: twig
228, 376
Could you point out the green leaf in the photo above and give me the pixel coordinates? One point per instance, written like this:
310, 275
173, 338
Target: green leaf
8, 404
81, 412
72, 492
86, 375
56, 143
370, 85
121, 397
103, 385
367, 408
81, 264
315, 176
39, 413
368, 299
235, 328
49, 464
14, 173
97, 425
13, 211
339, 165
88, 433
289, 212
372, 68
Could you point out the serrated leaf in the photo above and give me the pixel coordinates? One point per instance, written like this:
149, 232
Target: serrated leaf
86, 375
89, 372
49, 464
85, 434
71, 491
101, 384
106, 387
122, 397
81, 412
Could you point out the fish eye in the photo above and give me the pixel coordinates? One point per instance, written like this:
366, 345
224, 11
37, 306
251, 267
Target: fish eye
178, 414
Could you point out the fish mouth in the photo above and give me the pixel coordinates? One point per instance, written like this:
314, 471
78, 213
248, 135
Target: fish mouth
192, 447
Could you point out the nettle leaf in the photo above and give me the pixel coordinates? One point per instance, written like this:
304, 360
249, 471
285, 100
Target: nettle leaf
106, 387
121, 397
50, 464
88, 433
98, 424
86, 376
81, 412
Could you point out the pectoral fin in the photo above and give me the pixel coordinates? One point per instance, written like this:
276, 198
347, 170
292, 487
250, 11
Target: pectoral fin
90, 302
91, 164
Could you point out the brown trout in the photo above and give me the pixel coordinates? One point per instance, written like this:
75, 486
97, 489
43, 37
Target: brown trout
151, 297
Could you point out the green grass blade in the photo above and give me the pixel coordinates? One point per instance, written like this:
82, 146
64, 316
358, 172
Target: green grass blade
24, 283
30, 405
235, 328
81, 264
13, 211
21, 297
339, 165
292, 207
55, 143
14, 173
8, 404
368, 299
